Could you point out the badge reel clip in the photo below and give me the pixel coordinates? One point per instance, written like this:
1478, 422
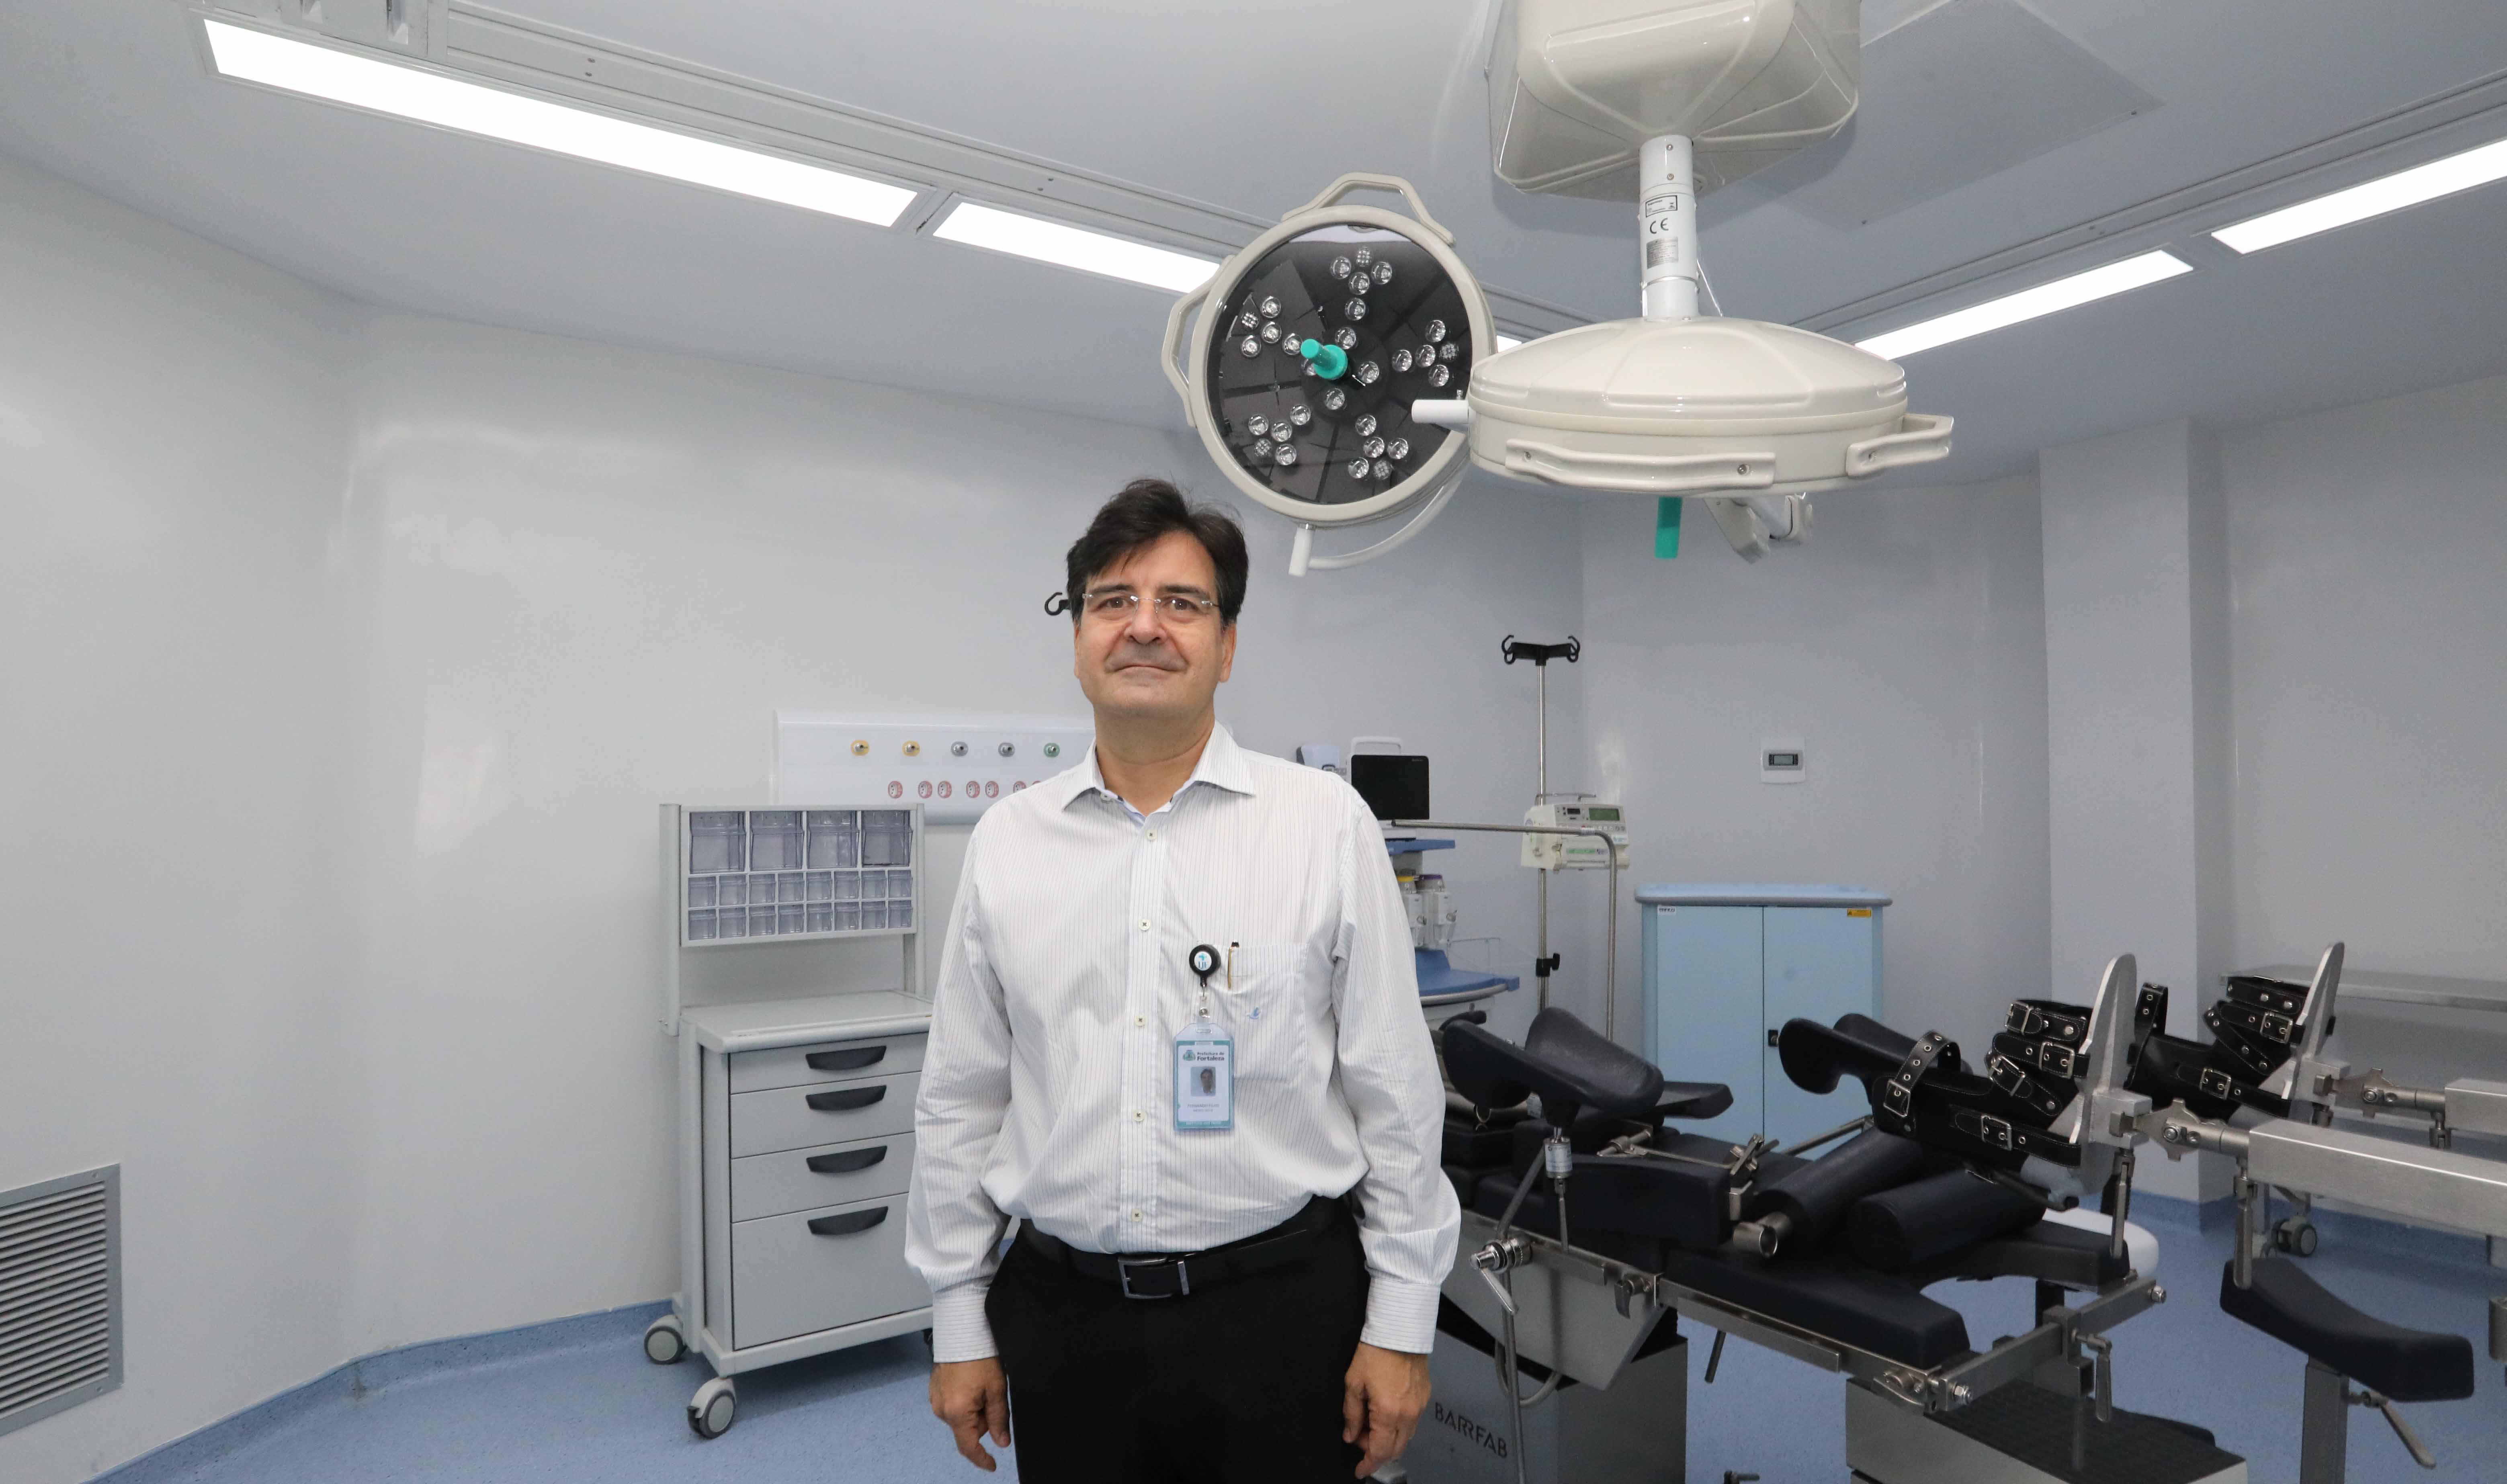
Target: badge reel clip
1205, 1057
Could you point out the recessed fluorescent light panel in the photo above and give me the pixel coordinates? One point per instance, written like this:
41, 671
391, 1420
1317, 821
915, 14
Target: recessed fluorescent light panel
430, 98
2392, 193
2028, 304
1091, 252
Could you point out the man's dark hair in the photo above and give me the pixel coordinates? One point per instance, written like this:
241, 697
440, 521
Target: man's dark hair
1146, 512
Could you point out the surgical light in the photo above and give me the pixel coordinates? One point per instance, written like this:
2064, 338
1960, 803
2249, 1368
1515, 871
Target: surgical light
2392, 193
431, 97
2071, 292
1370, 283
976, 225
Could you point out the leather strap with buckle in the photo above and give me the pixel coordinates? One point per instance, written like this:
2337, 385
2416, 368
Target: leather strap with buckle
2271, 1025
2048, 1020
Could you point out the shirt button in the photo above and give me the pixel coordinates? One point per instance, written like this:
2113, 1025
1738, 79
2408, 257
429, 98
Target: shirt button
1136, 1215
1153, 834
1139, 1019
1145, 924
1137, 1116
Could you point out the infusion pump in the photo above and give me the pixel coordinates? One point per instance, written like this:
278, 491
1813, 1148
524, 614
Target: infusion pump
1575, 852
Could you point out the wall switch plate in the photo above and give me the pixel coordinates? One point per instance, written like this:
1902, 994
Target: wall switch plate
1781, 760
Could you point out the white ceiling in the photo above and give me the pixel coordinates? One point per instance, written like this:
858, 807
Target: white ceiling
1255, 107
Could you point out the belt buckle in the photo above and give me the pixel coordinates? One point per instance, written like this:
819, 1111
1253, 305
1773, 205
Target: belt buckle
1993, 1131
2279, 1026
2005, 1074
2023, 1020
2216, 1082
1124, 1267
2055, 1059
1897, 1098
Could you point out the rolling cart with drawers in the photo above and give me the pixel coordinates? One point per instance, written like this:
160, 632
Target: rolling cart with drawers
800, 1051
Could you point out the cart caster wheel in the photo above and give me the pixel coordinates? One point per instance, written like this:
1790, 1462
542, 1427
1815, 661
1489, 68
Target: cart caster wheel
2295, 1235
664, 1345
715, 1407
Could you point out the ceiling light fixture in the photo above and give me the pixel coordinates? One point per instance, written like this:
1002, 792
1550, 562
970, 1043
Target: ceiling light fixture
2374, 197
2028, 304
430, 98
976, 225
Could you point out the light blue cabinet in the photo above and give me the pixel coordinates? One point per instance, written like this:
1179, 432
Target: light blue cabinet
1728, 965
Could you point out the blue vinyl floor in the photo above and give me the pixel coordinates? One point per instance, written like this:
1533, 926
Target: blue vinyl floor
577, 1401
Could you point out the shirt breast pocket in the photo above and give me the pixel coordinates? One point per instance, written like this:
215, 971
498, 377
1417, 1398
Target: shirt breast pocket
1263, 1011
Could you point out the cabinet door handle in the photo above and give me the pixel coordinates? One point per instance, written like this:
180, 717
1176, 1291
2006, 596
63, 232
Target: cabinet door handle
847, 1162
845, 1101
853, 1059
849, 1223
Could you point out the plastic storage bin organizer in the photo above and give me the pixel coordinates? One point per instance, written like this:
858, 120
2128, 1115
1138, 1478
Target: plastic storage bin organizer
789, 873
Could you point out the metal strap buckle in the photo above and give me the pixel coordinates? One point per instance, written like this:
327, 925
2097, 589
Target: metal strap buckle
2055, 1059
2023, 1020
1125, 1267
2007, 1074
1897, 1098
2279, 1027
1993, 1131
2216, 1082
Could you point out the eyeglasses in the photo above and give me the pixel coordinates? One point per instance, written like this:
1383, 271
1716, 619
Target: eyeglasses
1119, 604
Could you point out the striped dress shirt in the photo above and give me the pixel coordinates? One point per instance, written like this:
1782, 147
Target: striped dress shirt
1047, 1087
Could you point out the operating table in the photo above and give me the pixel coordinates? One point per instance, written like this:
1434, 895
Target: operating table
1592, 1226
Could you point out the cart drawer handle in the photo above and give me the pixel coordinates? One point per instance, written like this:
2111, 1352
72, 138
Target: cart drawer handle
846, 1101
849, 1222
846, 1163
853, 1060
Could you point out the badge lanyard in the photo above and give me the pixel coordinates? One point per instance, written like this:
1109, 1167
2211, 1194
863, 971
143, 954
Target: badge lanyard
1205, 1057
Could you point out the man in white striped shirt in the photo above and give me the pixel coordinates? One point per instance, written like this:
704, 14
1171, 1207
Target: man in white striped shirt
1247, 1302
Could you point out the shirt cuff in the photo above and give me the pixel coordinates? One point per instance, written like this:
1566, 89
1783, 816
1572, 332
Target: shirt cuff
1400, 1315
961, 1333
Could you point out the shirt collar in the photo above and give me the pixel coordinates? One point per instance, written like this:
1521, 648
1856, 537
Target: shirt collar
1223, 765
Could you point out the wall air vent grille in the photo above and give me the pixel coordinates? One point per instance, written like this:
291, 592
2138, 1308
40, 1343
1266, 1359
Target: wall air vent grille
60, 1295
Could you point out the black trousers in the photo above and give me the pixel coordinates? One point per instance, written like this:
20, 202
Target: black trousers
1237, 1384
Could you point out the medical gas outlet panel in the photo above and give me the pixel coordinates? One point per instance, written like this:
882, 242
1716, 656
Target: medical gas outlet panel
952, 770
1575, 853
780, 874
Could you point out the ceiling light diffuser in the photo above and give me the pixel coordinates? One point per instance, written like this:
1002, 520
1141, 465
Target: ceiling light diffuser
976, 225
2391, 192
430, 98
2028, 304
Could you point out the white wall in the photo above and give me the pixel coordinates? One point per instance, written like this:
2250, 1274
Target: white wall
2369, 549
1904, 644
176, 902
371, 643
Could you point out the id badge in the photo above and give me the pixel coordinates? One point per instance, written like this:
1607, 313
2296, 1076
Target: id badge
1205, 1067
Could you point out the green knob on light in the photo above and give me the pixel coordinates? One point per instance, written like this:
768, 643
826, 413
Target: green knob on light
1330, 362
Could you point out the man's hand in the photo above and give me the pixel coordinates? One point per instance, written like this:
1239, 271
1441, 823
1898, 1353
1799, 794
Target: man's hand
973, 1398
1386, 1391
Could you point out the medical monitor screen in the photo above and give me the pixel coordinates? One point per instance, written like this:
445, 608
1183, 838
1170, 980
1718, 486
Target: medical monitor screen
1394, 787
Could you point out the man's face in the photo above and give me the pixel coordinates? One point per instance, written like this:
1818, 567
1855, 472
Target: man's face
1145, 664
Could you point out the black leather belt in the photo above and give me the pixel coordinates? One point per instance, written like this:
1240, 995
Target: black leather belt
2243, 1049
1176, 1275
2048, 1020
2267, 994
2206, 1081
2014, 1081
